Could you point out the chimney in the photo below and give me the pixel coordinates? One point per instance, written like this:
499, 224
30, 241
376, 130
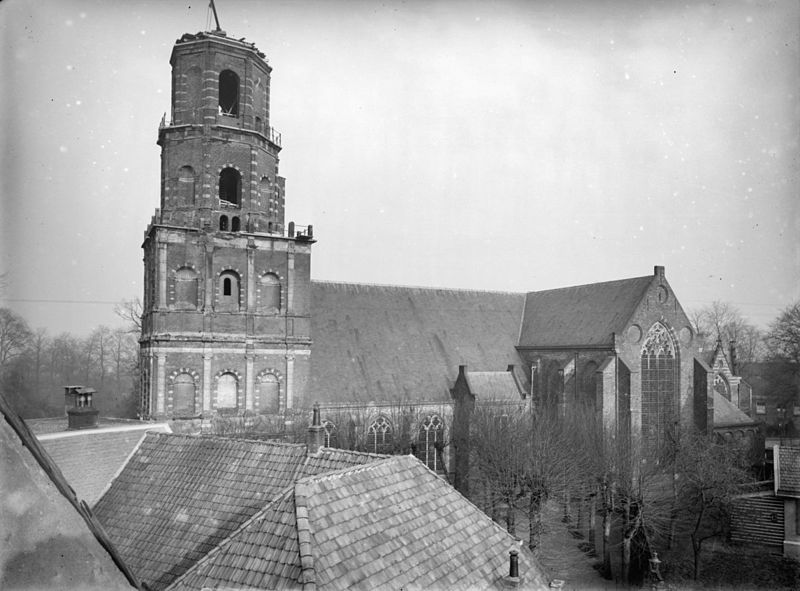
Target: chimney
316, 433
512, 580
658, 271
734, 362
81, 413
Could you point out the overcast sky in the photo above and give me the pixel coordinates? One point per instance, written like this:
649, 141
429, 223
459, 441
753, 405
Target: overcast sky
504, 146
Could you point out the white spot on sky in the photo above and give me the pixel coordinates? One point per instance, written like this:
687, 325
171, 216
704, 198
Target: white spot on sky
125, 169
82, 15
78, 103
627, 76
68, 22
143, 32
62, 149
749, 19
70, 67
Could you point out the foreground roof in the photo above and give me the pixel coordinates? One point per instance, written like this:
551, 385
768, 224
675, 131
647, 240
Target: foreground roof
50, 540
90, 458
390, 524
584, 315
179, 496
388, 344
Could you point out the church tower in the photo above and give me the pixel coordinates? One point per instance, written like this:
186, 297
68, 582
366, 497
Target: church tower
225, 325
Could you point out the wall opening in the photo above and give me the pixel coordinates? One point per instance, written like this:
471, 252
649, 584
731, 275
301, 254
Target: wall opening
227, 390
235, 224
230, 185
229, 93
223, 223
183, 395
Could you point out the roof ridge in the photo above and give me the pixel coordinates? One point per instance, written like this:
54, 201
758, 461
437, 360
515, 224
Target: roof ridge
595, 284
351, 452
308, 576
350, 470
417, 287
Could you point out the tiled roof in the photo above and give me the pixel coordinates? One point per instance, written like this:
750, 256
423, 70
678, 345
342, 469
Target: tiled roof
379, 343
179, 496
90, 458
390, 524
584, 315
50, 539
787, 471
726, 414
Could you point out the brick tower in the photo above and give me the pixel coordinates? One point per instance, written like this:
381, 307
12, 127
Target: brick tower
225, 325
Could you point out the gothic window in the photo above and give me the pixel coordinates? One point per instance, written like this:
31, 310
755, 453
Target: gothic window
227, 390
331, 436
429, 438
183, 393
589, 385
228, 291
235, 224
229, 93
268, 394
380, 438
270, 293
721, 386
186, 185
186, 288
230, 186
659, 388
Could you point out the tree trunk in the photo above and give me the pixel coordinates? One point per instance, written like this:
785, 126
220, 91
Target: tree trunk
511, 524
535, 520
593, 520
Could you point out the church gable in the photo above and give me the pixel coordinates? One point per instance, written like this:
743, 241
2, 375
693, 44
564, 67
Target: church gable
580, 316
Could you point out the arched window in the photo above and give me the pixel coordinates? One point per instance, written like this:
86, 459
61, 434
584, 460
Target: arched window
186, 185
227, 390
228, 291
263, 191
186, 288
380, 438
331, 436
223, 223
269, 293
183, 393
429, 438
230, 186
268, 394
235, 224
659, 388
229, 93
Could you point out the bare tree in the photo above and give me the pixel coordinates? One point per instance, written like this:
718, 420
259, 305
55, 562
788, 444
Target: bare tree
724, 322
15, 335
131, 312
709, 473
783, 337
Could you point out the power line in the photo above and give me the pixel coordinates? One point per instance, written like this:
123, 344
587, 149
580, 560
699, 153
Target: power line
45, 301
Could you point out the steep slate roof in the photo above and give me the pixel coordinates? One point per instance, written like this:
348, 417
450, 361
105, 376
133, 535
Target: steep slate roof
493, 385
384, 344
787, 471
391, 524
179, 496
726, 414
50, 539
90, 458
584, 315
